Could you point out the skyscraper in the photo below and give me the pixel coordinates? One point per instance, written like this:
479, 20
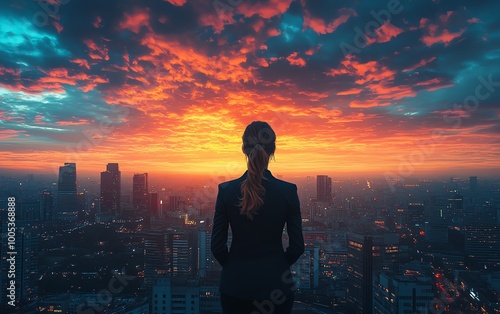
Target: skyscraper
169, 253
67, 207
46, 206
455, 209
156, 256
473, 185
140, 196
154, 204
110, 189
367, 255
324, 188
183, 258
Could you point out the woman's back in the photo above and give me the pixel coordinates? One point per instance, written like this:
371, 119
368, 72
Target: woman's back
257, 206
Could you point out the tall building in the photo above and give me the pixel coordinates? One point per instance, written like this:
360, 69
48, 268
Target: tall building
367, 255
307, 268
402, 294
140, 196
206, 260
482, 243
415, 218
323, 188
29, 210
154, 204
174, 202
455, 209
183, 258
170, 253
46, 206
473, 185
67, 205
156, 257
110, 189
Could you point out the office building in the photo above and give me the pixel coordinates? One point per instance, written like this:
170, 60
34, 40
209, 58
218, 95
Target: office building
401, 294
110, 190
156, 256
154, 204
323, 188
46, 206
140, 196
367, 255
482, 243
67, 204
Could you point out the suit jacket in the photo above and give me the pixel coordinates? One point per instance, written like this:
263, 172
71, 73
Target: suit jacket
256, 264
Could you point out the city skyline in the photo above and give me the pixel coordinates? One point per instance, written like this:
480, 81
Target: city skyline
409, 88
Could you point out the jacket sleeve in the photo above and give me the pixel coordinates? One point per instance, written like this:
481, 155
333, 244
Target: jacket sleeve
219, 230
294, 229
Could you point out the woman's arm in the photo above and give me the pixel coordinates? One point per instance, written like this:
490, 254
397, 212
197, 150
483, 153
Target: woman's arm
294, 229
219, 230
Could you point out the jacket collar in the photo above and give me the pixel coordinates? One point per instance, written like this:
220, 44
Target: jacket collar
267, 174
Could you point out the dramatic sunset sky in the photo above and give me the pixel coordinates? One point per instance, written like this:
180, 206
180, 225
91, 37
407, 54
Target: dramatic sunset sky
350, 87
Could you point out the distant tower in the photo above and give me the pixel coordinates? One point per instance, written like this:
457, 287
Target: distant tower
46, 206
174, 202
473, 189
324, 188
110, 189
140, 195
455, 209
153, 204
473, 185
67, 206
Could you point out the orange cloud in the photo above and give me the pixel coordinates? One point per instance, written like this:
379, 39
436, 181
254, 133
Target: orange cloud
434, 35
352, 91
294, 59
77, 122
135, 21
81, 62
321, 27
265, 10
96, 52
178, 3
445, 37
384, 33
422, 63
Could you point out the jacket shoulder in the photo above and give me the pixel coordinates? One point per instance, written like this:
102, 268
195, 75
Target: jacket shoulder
284, 184
225, 184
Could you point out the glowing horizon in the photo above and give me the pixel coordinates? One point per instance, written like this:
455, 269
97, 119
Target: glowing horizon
169, 86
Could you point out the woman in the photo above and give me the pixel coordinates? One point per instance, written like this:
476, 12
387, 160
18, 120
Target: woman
256, 274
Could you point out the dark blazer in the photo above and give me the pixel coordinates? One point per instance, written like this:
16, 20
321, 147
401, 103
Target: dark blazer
256, 265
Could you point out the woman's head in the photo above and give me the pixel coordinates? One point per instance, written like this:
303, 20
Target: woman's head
259, 144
